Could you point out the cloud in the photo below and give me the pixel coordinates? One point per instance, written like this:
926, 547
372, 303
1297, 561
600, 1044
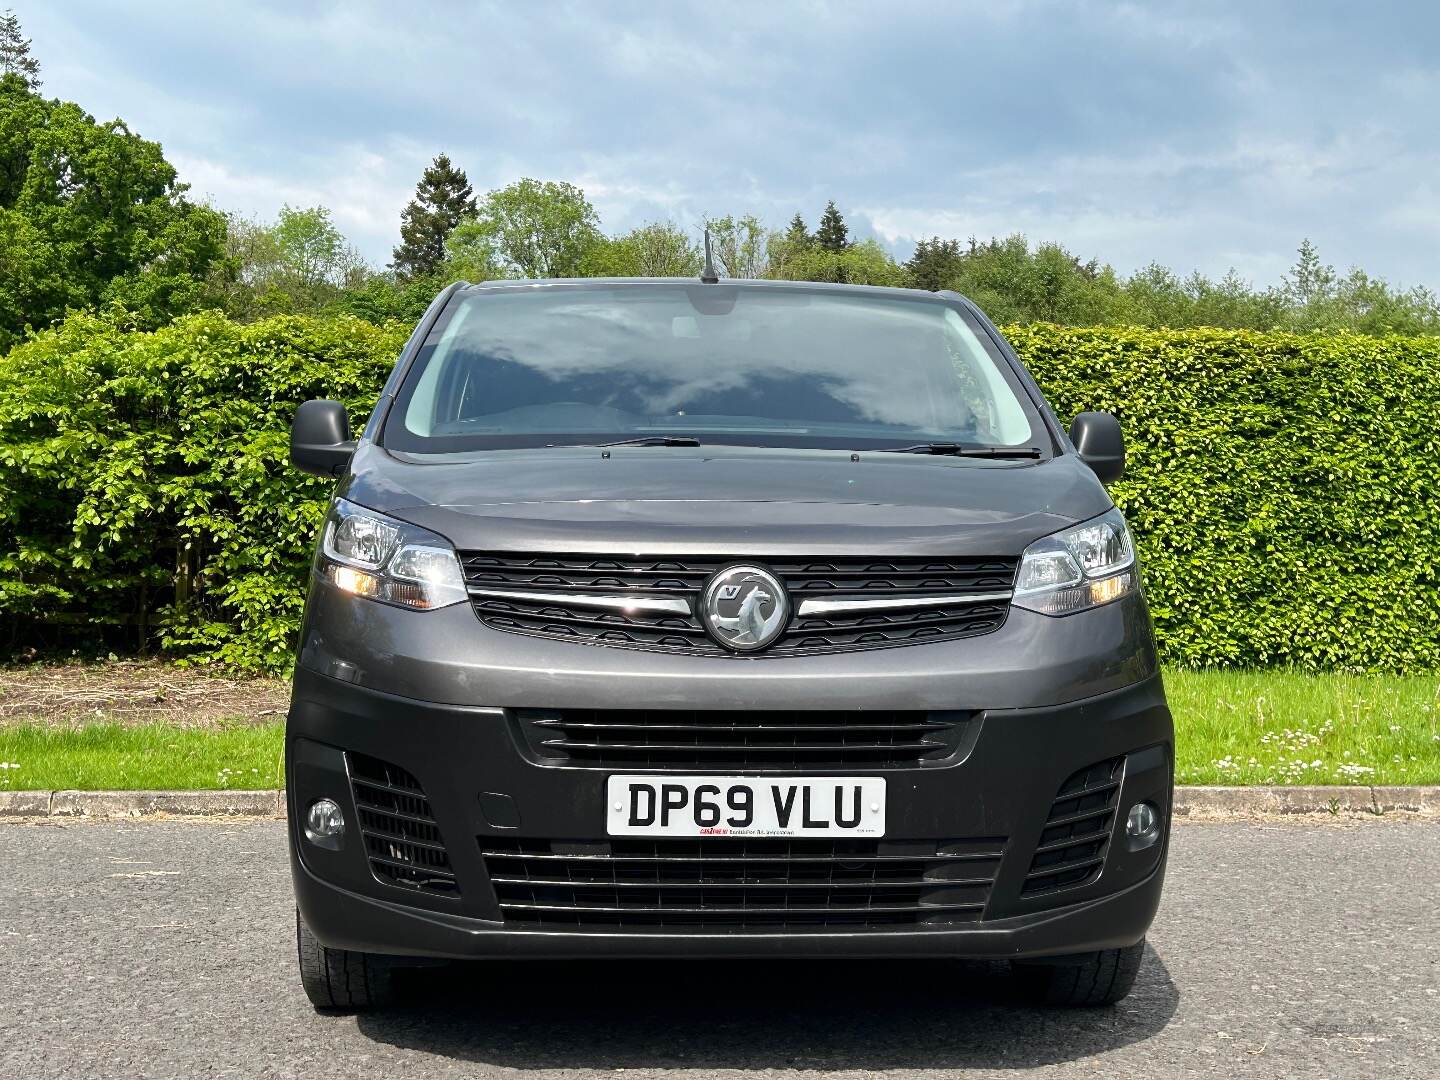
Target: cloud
362, 187
1198, 136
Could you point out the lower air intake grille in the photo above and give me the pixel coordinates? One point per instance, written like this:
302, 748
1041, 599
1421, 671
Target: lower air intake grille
401, 838
1077, 833
720, 883
752, 739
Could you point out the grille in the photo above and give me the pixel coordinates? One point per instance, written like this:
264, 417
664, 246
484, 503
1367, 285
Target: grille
402, 841
624, 738
1077, 833
554, 582
721, 883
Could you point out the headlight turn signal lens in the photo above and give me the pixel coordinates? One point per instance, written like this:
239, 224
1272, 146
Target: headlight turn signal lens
353, 581
368, 554
1079, 568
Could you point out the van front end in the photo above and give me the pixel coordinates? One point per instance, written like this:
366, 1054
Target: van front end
679, 653
471, 765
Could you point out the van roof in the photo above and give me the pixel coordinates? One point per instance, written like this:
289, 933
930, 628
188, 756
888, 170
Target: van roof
695, 282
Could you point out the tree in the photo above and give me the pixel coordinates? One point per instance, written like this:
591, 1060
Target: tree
298, 265
798, 234
865, 263
741, 245
833, 234
1309, 281
1314, 297
1157, 296
1013, 283
659, 249
15, 58
535, 229
383, 298
313, 253
92, 213
239, 282
443, 199
470, 254
934, 263
786, 251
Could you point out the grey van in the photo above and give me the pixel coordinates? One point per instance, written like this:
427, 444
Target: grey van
689, 618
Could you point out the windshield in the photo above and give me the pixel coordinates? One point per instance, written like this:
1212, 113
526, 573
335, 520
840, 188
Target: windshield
732, 364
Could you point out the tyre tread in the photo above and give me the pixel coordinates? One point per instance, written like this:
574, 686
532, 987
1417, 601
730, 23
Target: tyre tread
337, 980
1101, 978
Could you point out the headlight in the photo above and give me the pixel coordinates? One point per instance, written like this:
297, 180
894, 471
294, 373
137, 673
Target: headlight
375, 556
1082, 567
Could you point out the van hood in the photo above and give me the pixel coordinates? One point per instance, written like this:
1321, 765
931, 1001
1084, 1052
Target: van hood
725, 500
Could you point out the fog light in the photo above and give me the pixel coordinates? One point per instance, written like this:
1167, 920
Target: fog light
324, 821
1142, 825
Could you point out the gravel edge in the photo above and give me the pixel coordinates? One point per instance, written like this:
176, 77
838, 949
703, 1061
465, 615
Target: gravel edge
1197, 802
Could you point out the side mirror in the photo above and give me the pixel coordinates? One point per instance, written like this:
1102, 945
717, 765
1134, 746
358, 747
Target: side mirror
1097, 437
320, 440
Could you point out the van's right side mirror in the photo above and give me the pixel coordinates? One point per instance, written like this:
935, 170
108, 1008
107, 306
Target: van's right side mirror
320, 440
1097, 437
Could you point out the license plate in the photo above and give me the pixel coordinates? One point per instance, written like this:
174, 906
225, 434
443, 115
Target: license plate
745, 806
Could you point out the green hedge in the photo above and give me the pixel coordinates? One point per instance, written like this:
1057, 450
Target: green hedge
1281, 486
145, 493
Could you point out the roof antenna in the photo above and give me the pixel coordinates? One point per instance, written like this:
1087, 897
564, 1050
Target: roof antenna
708, 274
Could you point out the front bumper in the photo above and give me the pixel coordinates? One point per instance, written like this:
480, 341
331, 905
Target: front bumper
483, 790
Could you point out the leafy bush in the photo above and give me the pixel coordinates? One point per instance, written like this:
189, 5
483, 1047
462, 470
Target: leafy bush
1281, 486
144, 480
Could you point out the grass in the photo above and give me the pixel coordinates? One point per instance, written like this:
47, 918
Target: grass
96, 757
1231, 728
1280, 727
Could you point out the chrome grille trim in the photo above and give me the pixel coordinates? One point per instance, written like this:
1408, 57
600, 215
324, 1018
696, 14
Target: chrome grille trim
846, 606
653, 602
592, 600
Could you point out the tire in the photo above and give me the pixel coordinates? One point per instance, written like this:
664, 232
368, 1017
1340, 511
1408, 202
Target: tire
336, 980
1087, 981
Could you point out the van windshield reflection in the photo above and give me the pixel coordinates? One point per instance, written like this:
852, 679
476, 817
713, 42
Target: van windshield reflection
748, 365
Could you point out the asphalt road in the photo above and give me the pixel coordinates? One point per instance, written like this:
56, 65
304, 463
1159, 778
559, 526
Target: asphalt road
165, 949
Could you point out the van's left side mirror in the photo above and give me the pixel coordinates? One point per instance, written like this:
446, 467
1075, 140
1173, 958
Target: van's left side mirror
320, 440
1097, 437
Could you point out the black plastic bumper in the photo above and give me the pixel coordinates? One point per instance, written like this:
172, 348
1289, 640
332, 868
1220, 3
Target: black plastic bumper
1003, 785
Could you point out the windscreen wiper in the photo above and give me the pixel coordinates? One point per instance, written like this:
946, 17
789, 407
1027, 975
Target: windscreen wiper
650, 440
958, 450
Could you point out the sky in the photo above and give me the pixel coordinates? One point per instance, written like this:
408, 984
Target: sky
1203, 135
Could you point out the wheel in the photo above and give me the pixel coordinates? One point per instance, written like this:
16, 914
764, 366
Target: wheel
336, 980
1099, 978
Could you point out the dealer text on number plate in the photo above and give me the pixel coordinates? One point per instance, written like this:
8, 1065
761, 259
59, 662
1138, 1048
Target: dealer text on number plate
745, 806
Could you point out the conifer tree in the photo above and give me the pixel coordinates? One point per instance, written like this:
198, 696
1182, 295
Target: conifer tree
798, 234
934, 264
15, 58
832, 235
443, 199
